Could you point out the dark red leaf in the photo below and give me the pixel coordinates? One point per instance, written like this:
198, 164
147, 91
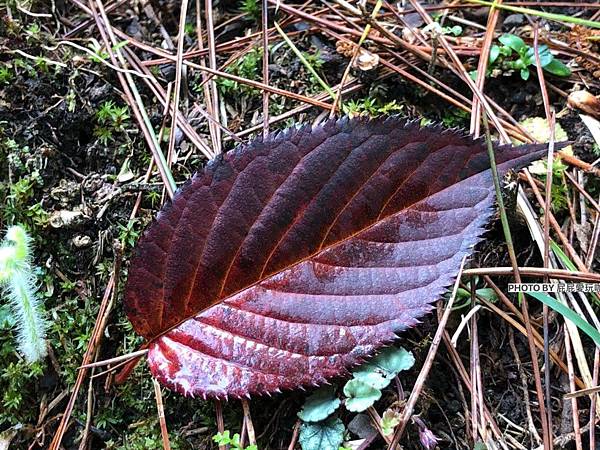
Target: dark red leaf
288, 260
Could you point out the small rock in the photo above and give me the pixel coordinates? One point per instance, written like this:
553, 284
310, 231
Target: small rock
361, 426
514, 20
134, 29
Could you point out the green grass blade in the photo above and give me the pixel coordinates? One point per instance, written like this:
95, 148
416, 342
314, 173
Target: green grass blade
560, 254
544, 14
568, 313
304, 61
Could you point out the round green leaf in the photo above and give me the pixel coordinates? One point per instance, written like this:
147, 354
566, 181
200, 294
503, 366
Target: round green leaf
372, 376
514, 42
319, 405
326, 435
525, 74
382, 369
360, 395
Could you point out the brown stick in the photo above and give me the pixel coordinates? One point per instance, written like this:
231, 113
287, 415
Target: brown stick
248, 421
161, 415
574, 409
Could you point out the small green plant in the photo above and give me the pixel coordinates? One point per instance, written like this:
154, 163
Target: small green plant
314, 59
246, 67
190, 29
225, 438
322, 431
16, 195
128, 234
6, 74
100, 55
455, 30
18, 279
515, 54
250, 8
111, 118
32, 31
463, 296
455, 117
370, 107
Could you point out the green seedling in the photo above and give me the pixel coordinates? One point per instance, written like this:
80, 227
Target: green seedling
18, 280
370, 107
111, 119
225, 438
320, 429
250, 9
515, 54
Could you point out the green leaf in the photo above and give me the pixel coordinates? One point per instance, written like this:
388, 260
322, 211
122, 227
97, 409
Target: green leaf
319, 405
514, 42
462, 294
494, 53
556, 67
456, 30
360, 395
222, 438
382, 369
568, 313
545, 56
326, 435
525, 74
487, 293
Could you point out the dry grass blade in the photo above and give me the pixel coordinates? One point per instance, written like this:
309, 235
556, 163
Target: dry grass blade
423, 374
87, 358
482, 67
574, 408
265, 65
161, 415
524, 307
178, 76
212, 63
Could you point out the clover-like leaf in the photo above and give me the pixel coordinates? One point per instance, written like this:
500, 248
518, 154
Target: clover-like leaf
320, 405
288, 260
360, 395
325, 435
382, 369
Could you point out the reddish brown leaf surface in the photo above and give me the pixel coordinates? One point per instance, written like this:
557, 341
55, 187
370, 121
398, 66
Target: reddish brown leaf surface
286, 261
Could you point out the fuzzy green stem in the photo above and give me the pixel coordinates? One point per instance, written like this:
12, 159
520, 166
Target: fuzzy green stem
31, 332
18, 280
